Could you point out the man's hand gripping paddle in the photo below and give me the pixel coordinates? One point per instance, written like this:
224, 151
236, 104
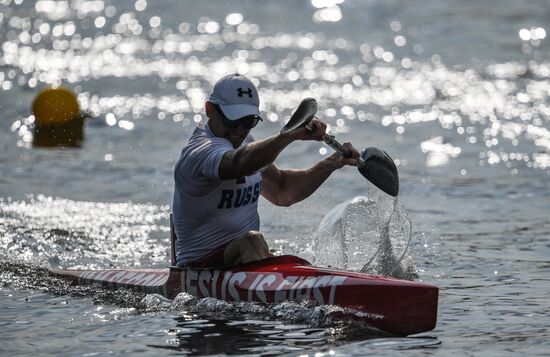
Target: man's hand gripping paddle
374, 164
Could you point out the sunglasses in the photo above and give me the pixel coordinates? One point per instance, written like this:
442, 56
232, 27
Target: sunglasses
248, 122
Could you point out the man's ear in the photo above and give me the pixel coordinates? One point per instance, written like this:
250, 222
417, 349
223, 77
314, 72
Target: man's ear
209, 109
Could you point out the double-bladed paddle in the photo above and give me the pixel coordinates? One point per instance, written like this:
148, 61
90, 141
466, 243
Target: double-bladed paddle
374, 164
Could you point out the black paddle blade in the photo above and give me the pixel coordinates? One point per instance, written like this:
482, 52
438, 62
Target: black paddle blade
302, 116
378, 167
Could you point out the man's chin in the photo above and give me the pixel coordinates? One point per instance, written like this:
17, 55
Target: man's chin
235, 141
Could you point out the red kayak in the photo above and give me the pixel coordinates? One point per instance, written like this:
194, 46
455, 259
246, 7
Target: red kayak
395, 306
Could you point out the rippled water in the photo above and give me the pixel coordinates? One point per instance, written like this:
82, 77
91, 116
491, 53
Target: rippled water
456, 92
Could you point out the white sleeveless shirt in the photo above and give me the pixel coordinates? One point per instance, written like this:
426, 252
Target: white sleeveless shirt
207, 210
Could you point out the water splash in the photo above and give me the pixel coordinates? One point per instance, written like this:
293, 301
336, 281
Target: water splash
369, 234
304, 312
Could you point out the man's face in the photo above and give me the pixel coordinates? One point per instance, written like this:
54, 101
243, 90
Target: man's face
235, 135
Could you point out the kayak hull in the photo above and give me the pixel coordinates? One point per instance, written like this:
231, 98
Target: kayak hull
394, 306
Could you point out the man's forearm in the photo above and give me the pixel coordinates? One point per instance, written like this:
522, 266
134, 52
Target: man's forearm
298, 185
250, 158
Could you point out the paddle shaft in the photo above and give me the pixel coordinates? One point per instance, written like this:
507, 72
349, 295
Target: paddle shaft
331, 141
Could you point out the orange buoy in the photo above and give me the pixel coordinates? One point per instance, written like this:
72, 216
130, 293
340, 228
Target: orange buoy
58, 121
55, 106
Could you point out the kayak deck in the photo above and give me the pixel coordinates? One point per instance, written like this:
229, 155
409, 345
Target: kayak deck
395, 306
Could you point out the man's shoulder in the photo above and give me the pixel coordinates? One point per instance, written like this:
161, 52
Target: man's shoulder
202, 144
201, 138
202, 134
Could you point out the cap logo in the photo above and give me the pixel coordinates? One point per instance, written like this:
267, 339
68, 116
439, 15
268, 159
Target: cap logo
241, 91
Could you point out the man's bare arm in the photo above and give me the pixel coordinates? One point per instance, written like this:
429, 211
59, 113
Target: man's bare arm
250, 158
286, 187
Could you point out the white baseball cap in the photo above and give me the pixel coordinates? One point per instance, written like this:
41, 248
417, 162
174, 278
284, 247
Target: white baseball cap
237, 96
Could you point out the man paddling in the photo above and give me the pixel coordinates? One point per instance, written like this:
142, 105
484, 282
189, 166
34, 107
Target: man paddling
222, 172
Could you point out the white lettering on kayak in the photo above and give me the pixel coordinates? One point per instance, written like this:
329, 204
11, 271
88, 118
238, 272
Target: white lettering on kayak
249, 286
334, 282
291, 295
128, 278
191, 281
214, 283
260, 287
226, 277
114, 279
101, 276
144, 279
322, 281
204, 278
280, 294
304, 290
253, 285
118, 277
265, 283
237, 278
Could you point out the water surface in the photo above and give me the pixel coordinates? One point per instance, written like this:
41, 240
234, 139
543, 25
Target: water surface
456, 92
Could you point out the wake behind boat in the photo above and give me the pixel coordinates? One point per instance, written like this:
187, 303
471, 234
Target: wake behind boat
394, 306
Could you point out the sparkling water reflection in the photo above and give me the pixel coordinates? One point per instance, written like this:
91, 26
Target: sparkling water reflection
492, 109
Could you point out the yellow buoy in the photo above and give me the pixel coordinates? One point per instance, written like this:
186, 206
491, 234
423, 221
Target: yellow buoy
57, 118
55, 106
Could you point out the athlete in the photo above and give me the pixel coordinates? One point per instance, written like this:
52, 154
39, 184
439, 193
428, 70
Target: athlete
222, 172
